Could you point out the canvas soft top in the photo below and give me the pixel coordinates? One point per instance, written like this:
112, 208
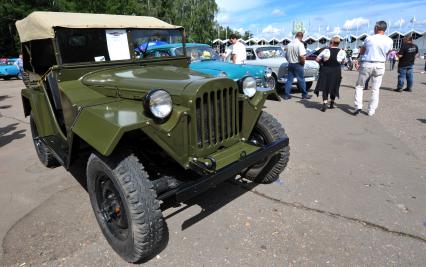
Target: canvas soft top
41, 24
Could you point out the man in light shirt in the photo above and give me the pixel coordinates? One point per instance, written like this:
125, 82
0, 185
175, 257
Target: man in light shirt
296, 61
372, 65
237, 51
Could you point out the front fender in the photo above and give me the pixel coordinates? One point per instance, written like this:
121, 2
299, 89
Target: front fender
103, 126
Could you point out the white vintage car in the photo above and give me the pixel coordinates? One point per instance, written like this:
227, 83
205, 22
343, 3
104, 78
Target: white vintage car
274, 58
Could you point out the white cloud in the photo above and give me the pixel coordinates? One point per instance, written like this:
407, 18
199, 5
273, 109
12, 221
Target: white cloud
240, 30
354, 23
399, 22
420, 23
277, 13
223, 19
270, 29
336, 30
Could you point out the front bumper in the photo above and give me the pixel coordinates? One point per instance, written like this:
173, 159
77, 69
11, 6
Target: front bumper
192, 189
307, 79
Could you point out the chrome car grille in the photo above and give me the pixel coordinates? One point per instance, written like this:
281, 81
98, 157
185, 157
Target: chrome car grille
217, 117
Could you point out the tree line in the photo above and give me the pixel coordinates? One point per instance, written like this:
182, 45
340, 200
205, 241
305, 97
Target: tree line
197, 16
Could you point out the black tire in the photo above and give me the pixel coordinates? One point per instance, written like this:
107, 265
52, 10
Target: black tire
44, 154
6, 78
137, 205
272, 82
308, 86
267, 130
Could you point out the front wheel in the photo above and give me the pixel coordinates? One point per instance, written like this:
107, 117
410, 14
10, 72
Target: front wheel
267, 170
125, 205
271, 82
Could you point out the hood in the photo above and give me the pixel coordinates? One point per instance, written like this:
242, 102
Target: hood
143, 78
234, 71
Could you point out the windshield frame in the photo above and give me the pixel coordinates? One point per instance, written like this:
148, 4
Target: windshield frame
264, 48
130, 42
188, 48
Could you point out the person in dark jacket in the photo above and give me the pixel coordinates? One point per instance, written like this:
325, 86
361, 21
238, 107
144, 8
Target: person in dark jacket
330, 74
407, 54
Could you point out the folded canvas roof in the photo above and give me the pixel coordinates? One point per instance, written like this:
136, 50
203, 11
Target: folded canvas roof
41, 24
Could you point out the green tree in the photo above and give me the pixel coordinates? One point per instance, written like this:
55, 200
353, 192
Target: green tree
197, 16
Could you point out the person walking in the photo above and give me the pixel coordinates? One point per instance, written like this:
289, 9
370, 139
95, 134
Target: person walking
407, 55
331, 72
296, 61
392, 58
20, 65
372, 65
424, 57
237, 51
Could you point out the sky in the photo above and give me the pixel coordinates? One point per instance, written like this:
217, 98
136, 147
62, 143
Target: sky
274, 18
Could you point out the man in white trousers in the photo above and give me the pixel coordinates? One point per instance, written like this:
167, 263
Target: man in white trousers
372, 65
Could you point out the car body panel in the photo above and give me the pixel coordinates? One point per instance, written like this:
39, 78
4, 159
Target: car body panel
279, 65
216, 67
100, 102
8, 69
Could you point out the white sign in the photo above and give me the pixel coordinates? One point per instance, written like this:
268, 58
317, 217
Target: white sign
118, 46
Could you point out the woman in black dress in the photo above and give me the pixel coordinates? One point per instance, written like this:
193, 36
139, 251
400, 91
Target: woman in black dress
330, 75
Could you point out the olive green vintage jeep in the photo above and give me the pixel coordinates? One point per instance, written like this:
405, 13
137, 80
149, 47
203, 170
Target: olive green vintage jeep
152, 130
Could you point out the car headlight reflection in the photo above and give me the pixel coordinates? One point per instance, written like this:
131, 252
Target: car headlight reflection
223, 74
249, 86
159, 103
268, 72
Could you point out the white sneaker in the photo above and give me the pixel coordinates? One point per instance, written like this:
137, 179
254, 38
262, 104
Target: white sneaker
371, 113
423, 72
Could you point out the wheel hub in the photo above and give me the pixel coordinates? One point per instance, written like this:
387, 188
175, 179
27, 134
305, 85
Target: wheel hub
111, 208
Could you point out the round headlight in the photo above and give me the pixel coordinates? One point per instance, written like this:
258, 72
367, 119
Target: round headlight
249, 86
159, 103
223, 74
268, 72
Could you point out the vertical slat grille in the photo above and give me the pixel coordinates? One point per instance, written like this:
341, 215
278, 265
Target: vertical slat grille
217, 117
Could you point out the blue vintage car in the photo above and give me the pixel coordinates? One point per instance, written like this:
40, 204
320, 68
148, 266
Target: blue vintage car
205, 60
8, 69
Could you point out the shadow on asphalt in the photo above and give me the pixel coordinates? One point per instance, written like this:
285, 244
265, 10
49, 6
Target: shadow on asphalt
422, 120
210, 201
388, 89
213, 200
3, 97
317, 105
9, 133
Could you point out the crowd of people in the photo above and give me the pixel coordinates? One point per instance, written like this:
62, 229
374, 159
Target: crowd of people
371, 64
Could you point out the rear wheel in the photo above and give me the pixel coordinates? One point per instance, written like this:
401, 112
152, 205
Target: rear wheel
267, 170
125, 205
44, 154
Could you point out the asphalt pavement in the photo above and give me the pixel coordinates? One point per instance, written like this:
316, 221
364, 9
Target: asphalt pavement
353, 194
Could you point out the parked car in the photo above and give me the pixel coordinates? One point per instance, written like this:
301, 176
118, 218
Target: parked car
312, 55
274, 57
149, 131
8, 70
205, 60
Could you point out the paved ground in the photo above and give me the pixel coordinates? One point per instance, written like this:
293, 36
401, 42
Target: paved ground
353, 194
